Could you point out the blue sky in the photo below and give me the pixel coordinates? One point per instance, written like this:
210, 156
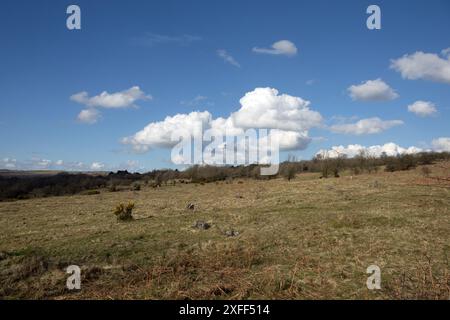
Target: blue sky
169, 49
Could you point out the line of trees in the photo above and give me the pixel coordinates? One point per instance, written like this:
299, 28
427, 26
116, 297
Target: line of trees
29, 186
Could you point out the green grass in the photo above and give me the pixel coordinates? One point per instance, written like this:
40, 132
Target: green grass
309, 238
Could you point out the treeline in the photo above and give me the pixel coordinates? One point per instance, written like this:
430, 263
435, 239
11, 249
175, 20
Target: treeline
35, 186
362, 163
30, 186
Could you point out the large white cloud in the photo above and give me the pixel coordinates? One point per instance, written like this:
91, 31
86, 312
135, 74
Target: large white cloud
365, 126
421, 65
287, 117
352, 150
159, 134
422, 108
441, 144
372, 90
121, 99
282, 47
265, 108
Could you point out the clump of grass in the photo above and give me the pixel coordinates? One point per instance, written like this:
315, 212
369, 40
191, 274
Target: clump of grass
124, 212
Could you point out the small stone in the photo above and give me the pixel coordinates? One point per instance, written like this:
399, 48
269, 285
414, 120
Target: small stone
190, 206
231, 233
200, 224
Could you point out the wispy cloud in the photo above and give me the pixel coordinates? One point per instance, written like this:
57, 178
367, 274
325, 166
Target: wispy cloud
38, 163
153, 39
365, 126
227, 58
197, 101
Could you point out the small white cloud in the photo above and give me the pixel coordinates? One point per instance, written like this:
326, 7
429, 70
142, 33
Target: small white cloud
441, 144
59, 163
227, 58
372, 90
43, 163
122, 99
89, 116
353, 150
427, 66
283, 47
8, 163
365, 126
97, 166
422, 108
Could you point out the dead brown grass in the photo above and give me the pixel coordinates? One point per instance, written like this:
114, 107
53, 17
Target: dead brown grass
309, 238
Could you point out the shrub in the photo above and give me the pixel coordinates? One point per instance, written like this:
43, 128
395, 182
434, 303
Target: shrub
136, 187
426, 171
288, 171
91, 192
124, 213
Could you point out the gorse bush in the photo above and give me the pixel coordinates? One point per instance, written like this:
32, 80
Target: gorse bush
124, 213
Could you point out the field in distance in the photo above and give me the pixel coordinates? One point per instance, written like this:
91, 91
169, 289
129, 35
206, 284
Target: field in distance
307, 238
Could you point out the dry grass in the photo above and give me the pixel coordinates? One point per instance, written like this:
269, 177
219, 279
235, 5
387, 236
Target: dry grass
309, 238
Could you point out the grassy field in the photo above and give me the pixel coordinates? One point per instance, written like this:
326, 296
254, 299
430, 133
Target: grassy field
308, 238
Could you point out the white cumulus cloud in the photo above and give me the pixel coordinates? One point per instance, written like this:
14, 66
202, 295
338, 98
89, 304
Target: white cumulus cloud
265, 108
282, 47
122, 99
372, 90
352, 150
365, 126
89, 116
427, 66
287, 117
422, 108
97, 166
159, 134
290, 140
441, 144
